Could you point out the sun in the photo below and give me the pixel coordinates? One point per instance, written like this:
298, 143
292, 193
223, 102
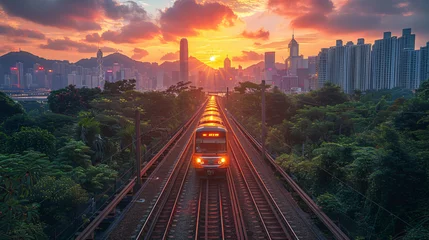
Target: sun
212, 58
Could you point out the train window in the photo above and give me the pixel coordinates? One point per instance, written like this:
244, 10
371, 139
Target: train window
210, 143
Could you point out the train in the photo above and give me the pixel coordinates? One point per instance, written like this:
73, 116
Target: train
210, 156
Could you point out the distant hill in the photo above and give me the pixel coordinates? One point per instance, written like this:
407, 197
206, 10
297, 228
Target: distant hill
195, 65
29, 60
109, 60
10, 59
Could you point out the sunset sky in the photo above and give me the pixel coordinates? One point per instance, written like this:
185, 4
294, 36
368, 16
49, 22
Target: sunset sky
150, 30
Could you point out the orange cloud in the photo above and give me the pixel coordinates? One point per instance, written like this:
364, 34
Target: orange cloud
139, 53
170, 56
248, 56
187, 17
9, 31
260, 34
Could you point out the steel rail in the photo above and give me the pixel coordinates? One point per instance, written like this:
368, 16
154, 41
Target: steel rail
270, 201
162, 199
88, 230
238, 217
332, 227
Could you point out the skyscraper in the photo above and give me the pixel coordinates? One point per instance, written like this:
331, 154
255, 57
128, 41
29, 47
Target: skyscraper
294, 61
424, 63
408, 60
227, 64
322, 67
270, 65
385, 62
409, 69
335, 69
184, 67
100, 70
362, 71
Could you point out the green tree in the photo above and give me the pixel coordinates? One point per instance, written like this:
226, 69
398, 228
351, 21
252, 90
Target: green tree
95, 179
8, 107
75, 154
14, 123
59, 198
71, 100
32, 138
119, 86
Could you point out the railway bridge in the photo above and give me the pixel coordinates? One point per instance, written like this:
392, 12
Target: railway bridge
166, 199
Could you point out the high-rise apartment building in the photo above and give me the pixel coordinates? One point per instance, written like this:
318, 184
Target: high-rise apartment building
424, 63
322, 67
362, 70
385, 62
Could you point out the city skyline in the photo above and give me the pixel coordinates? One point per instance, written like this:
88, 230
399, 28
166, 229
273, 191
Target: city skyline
244, 30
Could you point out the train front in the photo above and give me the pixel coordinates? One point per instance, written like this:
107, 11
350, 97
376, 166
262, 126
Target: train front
210, 150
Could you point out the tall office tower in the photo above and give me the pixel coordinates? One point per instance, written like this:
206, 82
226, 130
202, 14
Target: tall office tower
294, 61
184, 64
100, 70
21, 79
424, 63
322, 67
384, 62
293, 47
270, 65
362, 71
227, 64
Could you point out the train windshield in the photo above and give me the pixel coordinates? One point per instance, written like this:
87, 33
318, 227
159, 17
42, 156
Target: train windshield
210, 142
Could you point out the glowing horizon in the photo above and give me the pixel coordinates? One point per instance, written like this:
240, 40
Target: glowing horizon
150, 30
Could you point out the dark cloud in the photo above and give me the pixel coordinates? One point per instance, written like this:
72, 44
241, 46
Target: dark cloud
129, 10
260, 34
248, 56
187, 17
72, 14
139, 53
132, 33
171, 56
9, 31
300, 7
355, 15
81, 15
93, 38
67, 44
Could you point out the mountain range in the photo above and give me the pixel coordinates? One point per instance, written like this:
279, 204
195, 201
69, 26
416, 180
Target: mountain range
29, 59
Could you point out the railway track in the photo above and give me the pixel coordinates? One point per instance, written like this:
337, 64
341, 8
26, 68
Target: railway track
273, 223
218, 214
158, 221
324, 219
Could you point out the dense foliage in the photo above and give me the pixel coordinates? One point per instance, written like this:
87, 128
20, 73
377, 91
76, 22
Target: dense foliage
363, 157
58, 166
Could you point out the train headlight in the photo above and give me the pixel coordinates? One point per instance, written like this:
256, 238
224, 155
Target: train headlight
222, 161
199, 161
